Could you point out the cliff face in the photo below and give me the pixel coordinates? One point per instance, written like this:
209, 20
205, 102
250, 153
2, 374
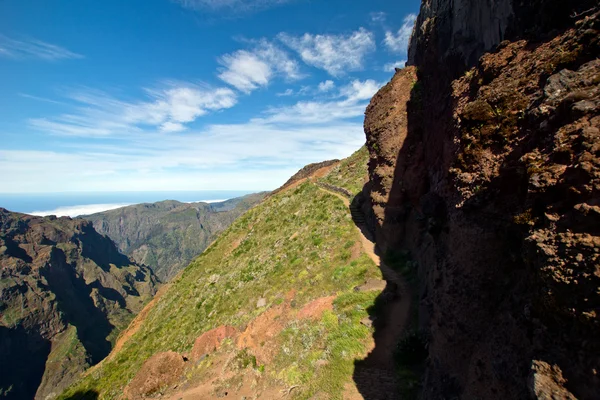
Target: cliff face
64, 292
490, 177
463, 30
167, 235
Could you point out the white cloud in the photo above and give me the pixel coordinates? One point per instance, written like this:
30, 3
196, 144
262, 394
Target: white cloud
360, 90
33, 48
326, 86
350, 105
74, 211
287, 92
398, 42
172, 127
336, 54
312, 112
248, 70
378, 16
245, 71
230, 5
391, 67
98, 114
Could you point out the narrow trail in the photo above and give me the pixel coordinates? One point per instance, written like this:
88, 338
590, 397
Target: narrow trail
374, 376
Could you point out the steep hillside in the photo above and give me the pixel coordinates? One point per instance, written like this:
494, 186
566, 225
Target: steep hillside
489, 176
167, 235
65, 291
281, 304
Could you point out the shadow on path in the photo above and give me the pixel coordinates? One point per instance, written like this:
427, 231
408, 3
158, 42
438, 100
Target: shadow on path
375, 376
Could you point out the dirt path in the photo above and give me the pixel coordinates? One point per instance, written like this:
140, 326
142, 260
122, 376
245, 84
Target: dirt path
396, 311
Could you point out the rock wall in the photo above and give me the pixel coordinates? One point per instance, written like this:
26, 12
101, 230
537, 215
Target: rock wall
490, 177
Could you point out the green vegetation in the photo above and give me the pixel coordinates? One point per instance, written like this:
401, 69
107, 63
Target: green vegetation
351, 173
167, 235
299, 239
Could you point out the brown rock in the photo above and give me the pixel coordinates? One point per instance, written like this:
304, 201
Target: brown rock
159, 371
547, 383
316, 308
211, 340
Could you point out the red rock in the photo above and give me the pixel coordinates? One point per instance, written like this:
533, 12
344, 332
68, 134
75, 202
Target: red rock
211, 340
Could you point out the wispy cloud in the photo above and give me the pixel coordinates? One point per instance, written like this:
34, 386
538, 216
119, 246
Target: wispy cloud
247, 70
169, 108
336, 54
235, 6
33, 48
378, 17
398, 42
350, 103
391, 67
287, 92
218, 156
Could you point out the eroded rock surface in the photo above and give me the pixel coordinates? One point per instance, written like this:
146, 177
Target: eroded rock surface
491, 180
64, 292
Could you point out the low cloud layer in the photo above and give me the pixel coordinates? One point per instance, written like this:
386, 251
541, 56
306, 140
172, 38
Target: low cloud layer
74, 211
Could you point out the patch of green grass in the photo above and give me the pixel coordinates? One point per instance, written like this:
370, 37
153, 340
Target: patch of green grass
351, 173
319, 356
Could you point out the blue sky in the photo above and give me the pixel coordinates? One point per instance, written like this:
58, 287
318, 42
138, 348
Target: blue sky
147, 95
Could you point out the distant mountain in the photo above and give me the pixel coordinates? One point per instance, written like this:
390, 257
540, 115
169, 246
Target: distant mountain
167, 235
65, 292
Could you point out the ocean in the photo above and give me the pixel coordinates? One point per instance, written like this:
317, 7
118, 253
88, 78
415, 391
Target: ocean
73, 204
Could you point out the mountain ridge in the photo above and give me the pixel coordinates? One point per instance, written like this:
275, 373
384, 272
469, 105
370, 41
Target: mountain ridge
167, 235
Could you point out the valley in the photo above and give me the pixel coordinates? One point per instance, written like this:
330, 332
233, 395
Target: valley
167, 235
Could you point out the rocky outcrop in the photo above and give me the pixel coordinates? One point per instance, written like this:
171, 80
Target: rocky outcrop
167, 235
492, 180
211, 340
65, 290
158, 372
305, 172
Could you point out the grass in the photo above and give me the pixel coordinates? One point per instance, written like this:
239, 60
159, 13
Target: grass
297, 239
351, 173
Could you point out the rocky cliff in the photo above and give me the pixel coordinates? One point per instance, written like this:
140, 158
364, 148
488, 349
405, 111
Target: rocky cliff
490, 177
65, 291
167, 235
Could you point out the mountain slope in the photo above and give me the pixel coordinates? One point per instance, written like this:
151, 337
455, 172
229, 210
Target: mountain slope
286, 295
167, 235
65, 291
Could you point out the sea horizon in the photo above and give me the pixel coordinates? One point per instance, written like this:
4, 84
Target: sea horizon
73, 204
